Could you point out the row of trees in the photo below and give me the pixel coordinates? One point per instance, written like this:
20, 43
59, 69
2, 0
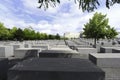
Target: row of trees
26, 34
98, 27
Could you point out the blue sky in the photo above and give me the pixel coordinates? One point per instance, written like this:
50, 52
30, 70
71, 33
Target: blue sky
65, 17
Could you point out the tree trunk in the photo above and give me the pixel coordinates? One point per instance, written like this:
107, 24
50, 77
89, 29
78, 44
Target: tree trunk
95, 43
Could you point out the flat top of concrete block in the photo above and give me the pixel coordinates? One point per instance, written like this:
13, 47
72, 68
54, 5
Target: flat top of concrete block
59, 51
4, 46
81, 45
16, 44
55, 64
86, 48
63, 46
40, 45
28, 49
115, 47
106, 55
112, 73
60, 48
2, 58
60, 45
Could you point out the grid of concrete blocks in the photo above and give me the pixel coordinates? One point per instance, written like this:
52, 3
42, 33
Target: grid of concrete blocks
75, 59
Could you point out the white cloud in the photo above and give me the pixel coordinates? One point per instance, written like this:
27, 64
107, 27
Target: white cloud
58, 22
31, 7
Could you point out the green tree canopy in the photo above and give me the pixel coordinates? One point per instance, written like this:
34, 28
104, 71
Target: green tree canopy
4, 33
51, 36
111, 33
88, 5
19, 34
26, 34
29, 33
57, 36
43, 36
12, 33
98, 27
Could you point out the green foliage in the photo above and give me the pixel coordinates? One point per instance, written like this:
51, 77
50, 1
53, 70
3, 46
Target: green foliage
43, 36
37, 36
26, 34
19, 34
4, 33
57, 36
12, 33
47, 3
98, 27
111, 33
29, 34
86, 5
51, 36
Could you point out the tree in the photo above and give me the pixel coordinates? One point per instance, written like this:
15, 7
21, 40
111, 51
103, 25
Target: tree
88, 5
4, 33
12, 33
29, 34
44, 36
111, 33
19, 34
33, 35
51, 36
98, 27
26, 34
57, 36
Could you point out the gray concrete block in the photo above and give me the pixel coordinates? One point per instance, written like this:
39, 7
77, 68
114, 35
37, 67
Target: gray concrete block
27, 45
59, 53
105, 60
112, 73
26, 52
6, 51
116, 50
15, 46
106, 49
3, 68
84, 46
42, 46
59, 46
87, 50
55, 69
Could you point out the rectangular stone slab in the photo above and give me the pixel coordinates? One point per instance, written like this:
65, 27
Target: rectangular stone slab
109, 49
116, 50
55, 69
105, 60
26, 52
6, 51
87, 50
59, 54
3, 68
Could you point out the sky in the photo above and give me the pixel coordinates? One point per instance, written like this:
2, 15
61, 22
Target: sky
65, 17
